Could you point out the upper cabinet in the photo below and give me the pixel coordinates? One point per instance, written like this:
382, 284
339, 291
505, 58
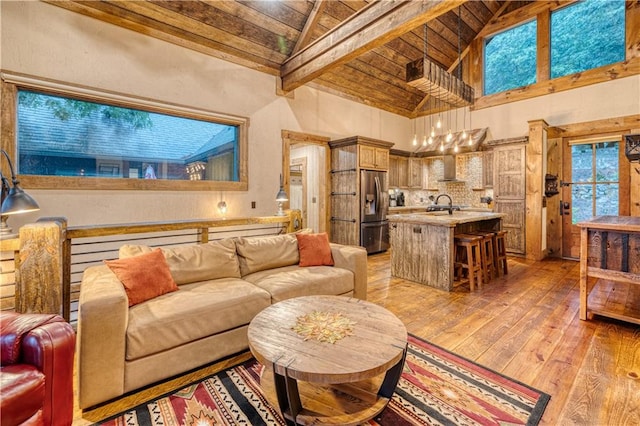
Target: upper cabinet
405, 172
415, 173
372, 157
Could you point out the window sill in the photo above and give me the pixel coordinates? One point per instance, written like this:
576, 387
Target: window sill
593, 76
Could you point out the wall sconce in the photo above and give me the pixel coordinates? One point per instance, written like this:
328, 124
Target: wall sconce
14, 199
222, 207
281, 197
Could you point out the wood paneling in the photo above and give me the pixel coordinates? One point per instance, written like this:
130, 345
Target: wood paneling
509, 194
345, 200
352, 47
426, 254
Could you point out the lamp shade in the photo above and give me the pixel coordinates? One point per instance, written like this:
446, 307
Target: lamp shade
282, 196
17, 202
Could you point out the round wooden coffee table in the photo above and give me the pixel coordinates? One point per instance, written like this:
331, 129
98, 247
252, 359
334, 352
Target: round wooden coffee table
315, 381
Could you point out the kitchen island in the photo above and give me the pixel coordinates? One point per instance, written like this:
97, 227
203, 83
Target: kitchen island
422, 244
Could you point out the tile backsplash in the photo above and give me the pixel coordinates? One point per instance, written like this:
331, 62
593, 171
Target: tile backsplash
467, 191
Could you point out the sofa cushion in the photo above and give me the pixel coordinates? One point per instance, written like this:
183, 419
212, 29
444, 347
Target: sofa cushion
193, 263
314, 249
294, 281
261, 253
196, 311
144, 277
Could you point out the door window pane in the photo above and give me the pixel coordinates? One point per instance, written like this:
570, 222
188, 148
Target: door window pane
587, 34
582, 163
607, 199
581, 202
510, 58
61, 136
607, 162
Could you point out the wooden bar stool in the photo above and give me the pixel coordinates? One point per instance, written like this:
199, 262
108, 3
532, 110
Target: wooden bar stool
468, 257
486, 254
500, 252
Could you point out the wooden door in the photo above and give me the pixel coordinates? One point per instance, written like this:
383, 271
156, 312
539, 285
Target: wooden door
592, 186
509, 193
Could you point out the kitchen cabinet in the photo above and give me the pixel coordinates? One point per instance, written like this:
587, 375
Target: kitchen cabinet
415, 173
405, 172
487, 169
372, 157
509, 193
393, 171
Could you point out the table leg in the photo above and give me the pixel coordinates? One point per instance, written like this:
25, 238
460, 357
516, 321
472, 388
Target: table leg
392, 377
288, 396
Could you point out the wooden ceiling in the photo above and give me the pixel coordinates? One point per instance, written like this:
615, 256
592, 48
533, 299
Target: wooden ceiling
354, 48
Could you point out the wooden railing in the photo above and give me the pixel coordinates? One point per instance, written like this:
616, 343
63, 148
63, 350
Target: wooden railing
51, 258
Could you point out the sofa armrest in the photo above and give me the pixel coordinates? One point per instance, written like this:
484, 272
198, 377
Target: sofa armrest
51, 348
103, 313
354, 259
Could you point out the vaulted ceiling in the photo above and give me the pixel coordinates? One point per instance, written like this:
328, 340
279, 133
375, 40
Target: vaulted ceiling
354, 48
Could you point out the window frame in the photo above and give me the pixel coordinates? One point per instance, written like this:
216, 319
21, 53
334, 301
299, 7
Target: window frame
11, 83
545, 85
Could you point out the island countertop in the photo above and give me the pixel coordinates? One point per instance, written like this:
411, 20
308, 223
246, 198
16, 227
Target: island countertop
444, 218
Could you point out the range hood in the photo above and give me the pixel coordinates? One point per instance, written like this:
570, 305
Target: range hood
449, 169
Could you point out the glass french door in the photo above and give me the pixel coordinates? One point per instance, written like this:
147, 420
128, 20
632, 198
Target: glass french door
592, 189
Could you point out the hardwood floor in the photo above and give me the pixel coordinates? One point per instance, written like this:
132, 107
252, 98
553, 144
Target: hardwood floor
524, 325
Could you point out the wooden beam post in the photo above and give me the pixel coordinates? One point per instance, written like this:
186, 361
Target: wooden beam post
534, 194
40, 276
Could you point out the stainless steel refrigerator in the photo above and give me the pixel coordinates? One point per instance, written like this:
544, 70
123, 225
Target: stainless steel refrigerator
374, 228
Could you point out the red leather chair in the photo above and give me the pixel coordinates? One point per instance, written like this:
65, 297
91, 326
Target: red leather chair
36, 369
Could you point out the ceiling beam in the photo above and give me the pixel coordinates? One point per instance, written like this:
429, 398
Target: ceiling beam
312, 20
370, 27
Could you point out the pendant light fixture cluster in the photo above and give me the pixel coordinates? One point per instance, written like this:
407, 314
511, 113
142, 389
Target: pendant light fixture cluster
448, 92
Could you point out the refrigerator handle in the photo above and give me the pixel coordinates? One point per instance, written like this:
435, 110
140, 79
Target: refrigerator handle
378, 196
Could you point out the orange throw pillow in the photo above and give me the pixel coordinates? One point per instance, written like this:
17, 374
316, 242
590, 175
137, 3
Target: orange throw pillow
144, 276
314, 249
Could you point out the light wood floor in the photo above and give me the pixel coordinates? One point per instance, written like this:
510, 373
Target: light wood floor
524, 325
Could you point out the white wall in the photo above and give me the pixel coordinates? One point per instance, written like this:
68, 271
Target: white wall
49, 42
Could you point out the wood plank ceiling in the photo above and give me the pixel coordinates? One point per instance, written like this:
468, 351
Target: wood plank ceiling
269, 35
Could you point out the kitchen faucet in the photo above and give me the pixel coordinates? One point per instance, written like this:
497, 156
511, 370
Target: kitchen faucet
450, 201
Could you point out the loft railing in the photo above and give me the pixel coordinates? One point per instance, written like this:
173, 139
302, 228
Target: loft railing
50, 258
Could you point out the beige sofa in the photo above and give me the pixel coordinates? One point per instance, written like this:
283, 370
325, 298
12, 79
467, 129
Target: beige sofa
222, 286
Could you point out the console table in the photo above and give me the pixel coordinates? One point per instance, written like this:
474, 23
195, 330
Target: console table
608, 252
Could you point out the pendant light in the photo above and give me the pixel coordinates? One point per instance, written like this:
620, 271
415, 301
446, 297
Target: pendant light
415, 135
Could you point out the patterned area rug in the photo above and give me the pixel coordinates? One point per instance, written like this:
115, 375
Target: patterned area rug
436, 387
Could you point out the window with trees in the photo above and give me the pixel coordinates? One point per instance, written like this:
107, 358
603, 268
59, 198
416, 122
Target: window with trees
510, 58
586, 35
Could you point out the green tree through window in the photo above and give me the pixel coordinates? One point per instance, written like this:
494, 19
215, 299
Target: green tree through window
510, 59
586, 35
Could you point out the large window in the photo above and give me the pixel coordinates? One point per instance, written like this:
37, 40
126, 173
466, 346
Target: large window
510, 59
586, 35
63, 136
